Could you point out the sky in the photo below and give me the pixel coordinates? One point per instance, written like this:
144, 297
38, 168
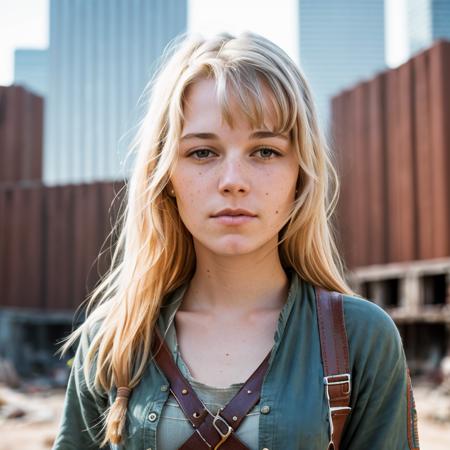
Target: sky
24, 24
274, 19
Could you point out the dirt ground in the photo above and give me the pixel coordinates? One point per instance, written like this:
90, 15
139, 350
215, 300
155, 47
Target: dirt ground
37, 430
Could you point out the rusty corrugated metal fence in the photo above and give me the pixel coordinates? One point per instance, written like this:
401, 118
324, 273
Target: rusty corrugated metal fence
49, 241
392, 141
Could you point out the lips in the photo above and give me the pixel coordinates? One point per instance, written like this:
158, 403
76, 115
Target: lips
233, 217
234, 212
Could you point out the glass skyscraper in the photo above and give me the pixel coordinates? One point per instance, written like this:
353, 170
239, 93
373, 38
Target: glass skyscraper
101, 55
341, 42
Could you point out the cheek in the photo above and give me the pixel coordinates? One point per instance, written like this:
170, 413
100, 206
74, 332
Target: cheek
185, 180
280, 203
191, 195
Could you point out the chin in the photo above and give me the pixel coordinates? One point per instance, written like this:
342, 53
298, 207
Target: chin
232, 246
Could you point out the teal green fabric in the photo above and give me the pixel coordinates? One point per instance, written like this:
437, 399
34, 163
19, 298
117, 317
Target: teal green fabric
293, 406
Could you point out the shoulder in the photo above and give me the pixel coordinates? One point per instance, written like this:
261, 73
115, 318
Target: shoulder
361, 313
371, 332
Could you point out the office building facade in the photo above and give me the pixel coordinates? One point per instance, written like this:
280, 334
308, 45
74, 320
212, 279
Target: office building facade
101, 56
341, 43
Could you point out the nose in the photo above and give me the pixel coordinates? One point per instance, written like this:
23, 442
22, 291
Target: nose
233, 176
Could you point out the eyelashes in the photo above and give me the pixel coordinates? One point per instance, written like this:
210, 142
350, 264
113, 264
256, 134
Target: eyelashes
266, 153
197, 153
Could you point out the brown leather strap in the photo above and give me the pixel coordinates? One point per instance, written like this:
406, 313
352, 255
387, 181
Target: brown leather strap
335, 360
210, 431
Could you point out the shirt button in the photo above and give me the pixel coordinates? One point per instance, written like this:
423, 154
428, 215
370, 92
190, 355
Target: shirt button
164, 388
265, 410
152, 416
265, 448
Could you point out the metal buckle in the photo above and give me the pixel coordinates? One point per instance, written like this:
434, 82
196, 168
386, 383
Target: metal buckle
342, 378
340, 408
224, 436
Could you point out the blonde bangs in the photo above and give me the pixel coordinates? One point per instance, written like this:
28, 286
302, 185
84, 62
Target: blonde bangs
249, 80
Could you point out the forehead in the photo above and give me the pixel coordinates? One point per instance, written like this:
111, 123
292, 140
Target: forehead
204, 103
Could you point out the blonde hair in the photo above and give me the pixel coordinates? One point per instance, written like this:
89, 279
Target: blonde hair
154, 253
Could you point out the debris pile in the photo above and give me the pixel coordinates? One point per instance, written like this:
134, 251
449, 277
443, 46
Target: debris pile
30, 409
21, 405
437, 405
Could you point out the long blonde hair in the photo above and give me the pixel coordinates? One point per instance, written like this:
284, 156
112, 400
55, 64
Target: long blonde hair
154, 253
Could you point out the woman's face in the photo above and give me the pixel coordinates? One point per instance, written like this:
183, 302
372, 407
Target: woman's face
221, 168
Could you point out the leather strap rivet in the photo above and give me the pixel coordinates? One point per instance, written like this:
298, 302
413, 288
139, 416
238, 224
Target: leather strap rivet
235, 418
184, 391
249, 391
196, 415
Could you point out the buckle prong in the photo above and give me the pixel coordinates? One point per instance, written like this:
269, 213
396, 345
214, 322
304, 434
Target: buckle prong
224, 436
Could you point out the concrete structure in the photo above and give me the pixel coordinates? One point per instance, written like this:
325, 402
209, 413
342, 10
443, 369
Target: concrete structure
426, 22
102, 55
416, 295
31, 70
341, 43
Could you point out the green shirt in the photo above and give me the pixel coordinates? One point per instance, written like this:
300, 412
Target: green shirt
293, 405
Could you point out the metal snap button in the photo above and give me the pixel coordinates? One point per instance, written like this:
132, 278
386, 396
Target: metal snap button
152, 416
265, 410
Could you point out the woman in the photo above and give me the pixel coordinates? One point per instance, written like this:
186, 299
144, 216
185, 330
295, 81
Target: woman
225, 244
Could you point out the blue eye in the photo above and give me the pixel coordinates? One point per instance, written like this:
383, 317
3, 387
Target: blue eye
201, 153
267, 152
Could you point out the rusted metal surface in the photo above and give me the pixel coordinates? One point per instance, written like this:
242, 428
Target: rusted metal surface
392, 139
50, 238
424, 174
361, 169
376, 159
400, 163
59, 244
21, 125
440, 145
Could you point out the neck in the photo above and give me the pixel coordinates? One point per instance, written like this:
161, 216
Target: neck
237, 284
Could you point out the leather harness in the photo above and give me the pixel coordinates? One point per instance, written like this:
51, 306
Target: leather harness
212, 432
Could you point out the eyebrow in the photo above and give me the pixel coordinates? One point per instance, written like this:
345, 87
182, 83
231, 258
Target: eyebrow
255, 135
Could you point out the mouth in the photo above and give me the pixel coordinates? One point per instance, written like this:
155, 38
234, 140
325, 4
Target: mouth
234, 213
237, 219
